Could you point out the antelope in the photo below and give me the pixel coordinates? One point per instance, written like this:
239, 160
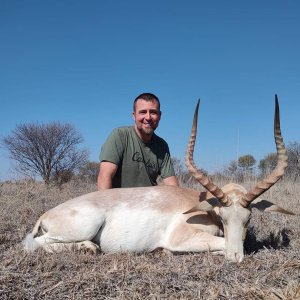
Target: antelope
177, 219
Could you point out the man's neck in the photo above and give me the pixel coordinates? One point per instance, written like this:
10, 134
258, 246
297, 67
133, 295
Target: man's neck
146, 138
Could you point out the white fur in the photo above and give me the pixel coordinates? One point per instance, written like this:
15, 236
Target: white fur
144, 219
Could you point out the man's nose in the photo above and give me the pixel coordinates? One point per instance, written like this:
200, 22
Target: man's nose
148, 115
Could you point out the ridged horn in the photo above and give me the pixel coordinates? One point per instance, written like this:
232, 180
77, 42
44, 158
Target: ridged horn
190, 164
278, 172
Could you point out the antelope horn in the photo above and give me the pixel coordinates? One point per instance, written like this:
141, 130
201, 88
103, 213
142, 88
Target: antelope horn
278, 172
199, 176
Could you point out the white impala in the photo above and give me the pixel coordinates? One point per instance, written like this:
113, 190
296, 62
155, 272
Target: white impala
146, 218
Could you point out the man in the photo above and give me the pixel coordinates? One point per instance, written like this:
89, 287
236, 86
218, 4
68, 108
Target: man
135, 156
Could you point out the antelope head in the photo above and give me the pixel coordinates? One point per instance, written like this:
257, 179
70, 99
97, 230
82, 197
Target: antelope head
232, 203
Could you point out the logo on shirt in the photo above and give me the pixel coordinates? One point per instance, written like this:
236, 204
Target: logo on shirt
137, 156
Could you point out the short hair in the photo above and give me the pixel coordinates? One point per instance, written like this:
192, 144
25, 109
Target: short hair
147, 97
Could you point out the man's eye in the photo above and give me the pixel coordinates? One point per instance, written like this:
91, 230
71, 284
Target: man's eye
154, 112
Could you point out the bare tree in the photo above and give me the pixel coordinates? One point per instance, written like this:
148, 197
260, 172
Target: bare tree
293, 150
45, 149
268, 163
89, 171
232, 168
177, 165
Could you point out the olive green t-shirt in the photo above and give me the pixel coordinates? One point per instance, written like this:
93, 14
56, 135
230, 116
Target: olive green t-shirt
139, 163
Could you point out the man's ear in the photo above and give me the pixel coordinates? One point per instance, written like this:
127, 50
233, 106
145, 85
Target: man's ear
265, 205
206, 205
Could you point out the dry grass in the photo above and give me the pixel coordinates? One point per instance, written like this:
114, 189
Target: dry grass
271, 269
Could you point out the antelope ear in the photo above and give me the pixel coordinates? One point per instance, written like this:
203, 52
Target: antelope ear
265, 205
206, 205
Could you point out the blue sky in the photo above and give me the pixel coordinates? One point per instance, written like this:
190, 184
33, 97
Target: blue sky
83, 62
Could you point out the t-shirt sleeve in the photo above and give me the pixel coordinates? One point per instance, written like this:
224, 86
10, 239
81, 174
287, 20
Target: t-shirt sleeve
167, 169
113, 148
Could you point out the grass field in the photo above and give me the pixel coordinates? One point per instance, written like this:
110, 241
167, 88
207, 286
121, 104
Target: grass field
270, 270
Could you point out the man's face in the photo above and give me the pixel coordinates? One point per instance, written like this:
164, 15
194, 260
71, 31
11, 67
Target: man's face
146, 117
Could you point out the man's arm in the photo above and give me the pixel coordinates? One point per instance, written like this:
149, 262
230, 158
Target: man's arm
106, 173
172, 180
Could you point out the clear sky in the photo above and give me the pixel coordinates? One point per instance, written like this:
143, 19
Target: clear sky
83, 62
